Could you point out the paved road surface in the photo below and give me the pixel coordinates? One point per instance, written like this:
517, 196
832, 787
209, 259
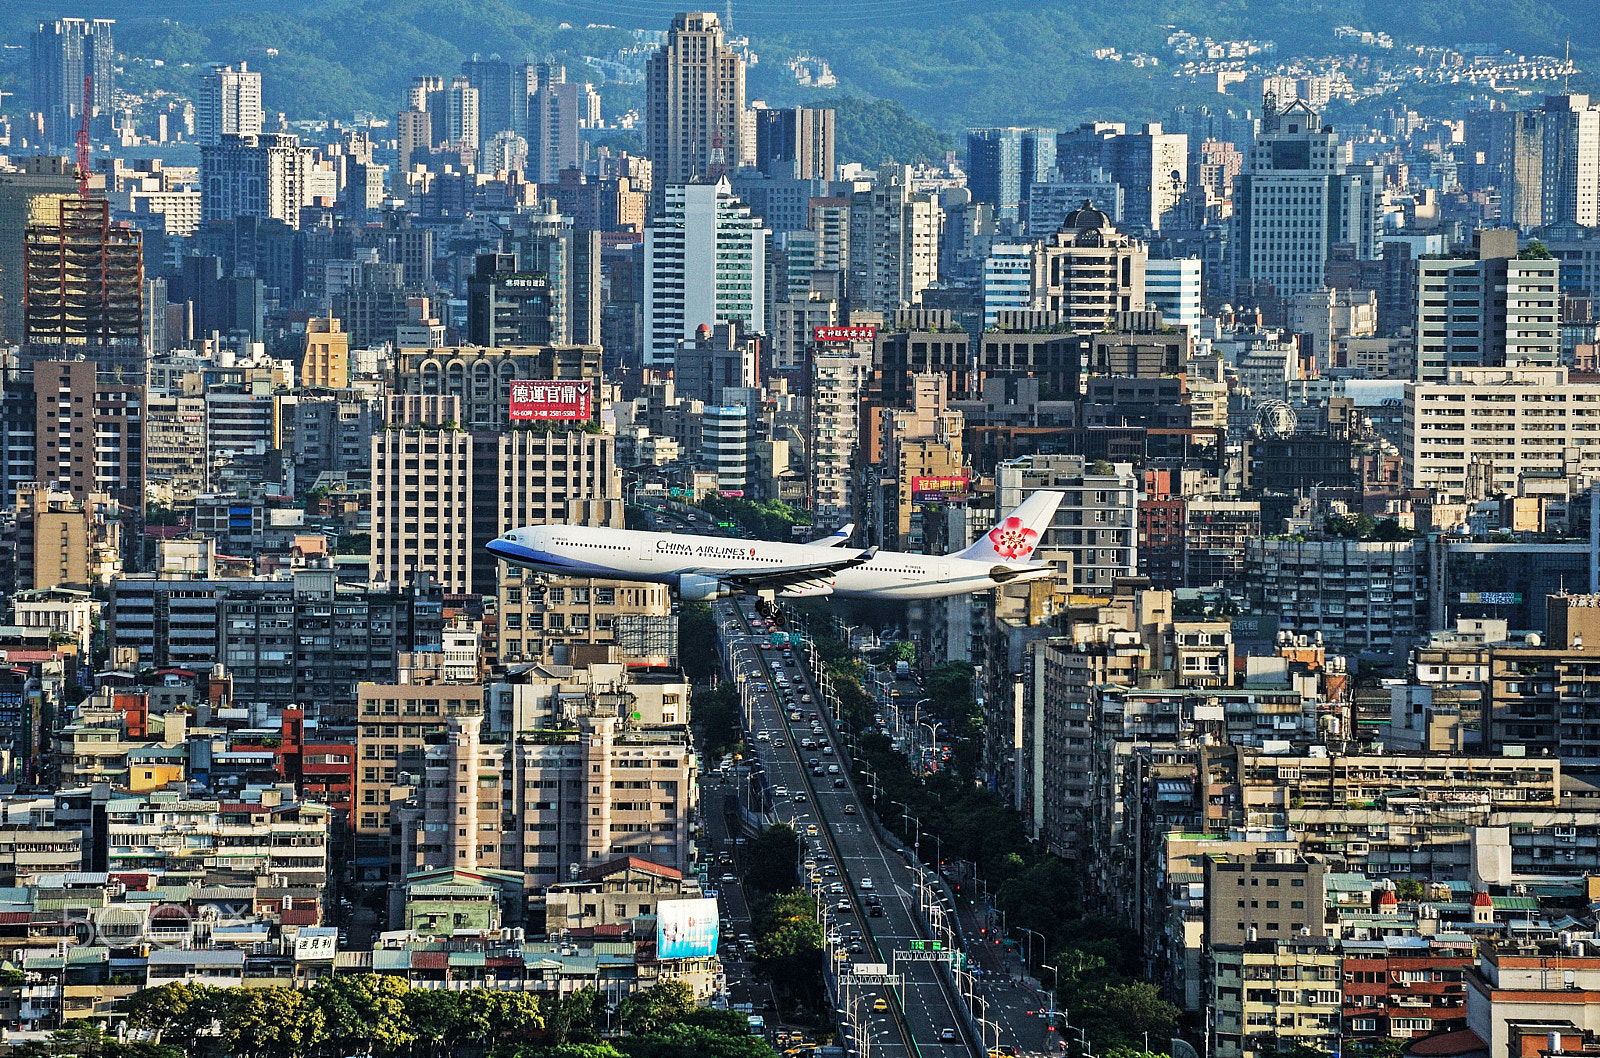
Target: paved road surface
849, 839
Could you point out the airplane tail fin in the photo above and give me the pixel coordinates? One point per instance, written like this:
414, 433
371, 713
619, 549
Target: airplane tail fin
1014, 537
838, 537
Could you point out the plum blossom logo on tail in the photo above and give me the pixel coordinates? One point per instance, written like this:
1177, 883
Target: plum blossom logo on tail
1012, 539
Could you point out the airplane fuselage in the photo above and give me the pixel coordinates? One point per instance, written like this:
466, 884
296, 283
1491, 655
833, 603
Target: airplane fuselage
689, 562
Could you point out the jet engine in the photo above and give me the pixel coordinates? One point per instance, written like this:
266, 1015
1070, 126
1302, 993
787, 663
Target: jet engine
695, 587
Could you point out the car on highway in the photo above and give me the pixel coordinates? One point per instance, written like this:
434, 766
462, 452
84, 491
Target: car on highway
874, 900
795, 715
818, 770
836, 888
842, 905
729, 879
880, 1004
780, 791
811, 830
799, 795
828, 750
833, 769
866, 885
838, 784
856, 947
947, 1034
874, 912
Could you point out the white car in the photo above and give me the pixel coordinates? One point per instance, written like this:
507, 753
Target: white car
866, 884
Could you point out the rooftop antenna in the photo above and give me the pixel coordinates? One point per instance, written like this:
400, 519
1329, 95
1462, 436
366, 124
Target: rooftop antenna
1566, 71
727, 27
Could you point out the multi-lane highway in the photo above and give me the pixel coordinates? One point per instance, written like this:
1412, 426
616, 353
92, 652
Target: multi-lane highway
854, 869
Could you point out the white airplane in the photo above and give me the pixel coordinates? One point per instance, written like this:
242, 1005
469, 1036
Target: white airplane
707, 567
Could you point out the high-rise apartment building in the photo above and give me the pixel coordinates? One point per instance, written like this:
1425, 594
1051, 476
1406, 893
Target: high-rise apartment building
554, 115
422, 495
228, 104
838, 375
414, 134
462, 115
894, 243
1571, 160
1296, 199
1494, 309
570, 477
1004, 164
264, 176
1150, 166
90, 429
704, 263
63, 53
508, 305
1545, 161
83, 283
1087, 272
394, 724
495, 82
1482, 431
694, 104
1093, 537
795, 143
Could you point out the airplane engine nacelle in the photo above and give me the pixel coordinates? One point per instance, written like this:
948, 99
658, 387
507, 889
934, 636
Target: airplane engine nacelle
692, 587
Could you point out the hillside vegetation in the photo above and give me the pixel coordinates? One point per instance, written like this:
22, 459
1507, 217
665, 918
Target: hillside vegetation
949, 63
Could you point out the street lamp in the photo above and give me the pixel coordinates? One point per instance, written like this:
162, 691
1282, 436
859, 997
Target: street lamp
1031, 934
1055, 976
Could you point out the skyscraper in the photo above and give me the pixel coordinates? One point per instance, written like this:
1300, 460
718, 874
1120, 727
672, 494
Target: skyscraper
254, 176
493, 79
427, 95
704, 263
422, 529
1004, 164
1486, 311
228, 104
694, 104
1571, 160
508, 305
795, 143
461, 114
1150, 166
64, 52
1297, 198
894, 243
553, 119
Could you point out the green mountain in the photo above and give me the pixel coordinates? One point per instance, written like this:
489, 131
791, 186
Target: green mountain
949, 63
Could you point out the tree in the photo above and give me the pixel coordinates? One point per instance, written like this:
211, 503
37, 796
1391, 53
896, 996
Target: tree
364, 1012
1535, 251
905, 650
574, 1018
1122, 1013
1408, 889
773, 859
789, 942
663, 1003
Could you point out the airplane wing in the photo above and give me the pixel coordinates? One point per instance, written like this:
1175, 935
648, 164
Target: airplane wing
779, 577
838, 538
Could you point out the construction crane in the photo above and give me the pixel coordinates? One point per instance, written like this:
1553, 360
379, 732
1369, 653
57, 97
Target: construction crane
83, 137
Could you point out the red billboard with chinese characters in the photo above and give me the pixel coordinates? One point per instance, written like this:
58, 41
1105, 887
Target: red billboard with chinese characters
924, 489
533, 400
844, 334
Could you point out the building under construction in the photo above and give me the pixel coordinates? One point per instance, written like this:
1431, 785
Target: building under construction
83, 284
